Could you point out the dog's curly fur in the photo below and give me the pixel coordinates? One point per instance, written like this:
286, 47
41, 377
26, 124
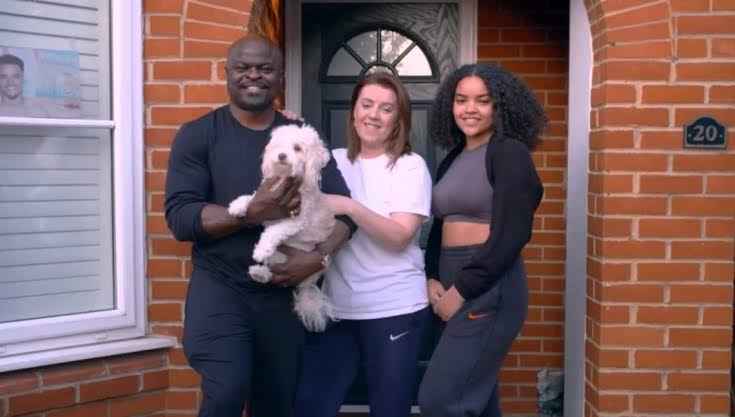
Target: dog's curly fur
295, 151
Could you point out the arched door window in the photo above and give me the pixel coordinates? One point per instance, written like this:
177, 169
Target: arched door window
380, 49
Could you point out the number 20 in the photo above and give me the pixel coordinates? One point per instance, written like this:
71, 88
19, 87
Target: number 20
701, 134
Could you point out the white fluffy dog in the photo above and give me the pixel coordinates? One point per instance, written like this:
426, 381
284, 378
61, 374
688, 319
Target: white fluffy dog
295, 151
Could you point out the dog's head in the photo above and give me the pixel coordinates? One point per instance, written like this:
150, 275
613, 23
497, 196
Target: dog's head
295, 151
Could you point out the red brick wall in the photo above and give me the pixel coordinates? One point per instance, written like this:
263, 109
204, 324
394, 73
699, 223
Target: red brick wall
661, 230
184, 56
530, 38
131, 385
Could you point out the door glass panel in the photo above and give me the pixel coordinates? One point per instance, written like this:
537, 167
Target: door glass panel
344, 64
366, 45
361, 52
393, 44
380, 68
414, 64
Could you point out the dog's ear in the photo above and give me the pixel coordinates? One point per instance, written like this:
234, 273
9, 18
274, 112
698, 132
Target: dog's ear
265, 168
323, 152
319, 154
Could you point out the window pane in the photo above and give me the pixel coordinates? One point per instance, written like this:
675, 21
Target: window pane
380, 68
55, 222
414, 64
366, 46
66, 65
343, 64
393, 44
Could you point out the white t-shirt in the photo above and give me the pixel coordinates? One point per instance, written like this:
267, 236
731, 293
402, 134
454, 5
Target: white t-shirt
366, 280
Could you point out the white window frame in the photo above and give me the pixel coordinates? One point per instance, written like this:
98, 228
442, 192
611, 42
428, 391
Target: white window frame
45, 341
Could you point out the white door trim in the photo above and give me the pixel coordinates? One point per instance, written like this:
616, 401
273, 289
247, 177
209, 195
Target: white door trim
292, 50
578, 126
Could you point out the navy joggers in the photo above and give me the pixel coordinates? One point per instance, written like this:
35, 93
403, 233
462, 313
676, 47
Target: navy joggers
386, 350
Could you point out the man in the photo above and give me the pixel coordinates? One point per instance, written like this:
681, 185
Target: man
12, 102
242, 337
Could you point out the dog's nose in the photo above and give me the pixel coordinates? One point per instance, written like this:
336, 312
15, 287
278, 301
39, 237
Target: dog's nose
281, 156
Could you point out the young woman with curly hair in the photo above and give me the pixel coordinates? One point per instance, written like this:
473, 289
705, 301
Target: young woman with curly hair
486, 193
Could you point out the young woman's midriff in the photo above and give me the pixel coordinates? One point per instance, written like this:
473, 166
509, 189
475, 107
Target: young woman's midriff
458, 233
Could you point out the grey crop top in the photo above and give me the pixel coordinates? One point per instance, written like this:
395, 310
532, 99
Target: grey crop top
464, 193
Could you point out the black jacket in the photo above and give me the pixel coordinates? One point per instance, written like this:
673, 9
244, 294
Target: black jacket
517, 192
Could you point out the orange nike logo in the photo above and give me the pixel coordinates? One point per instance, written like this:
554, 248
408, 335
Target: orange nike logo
474, 316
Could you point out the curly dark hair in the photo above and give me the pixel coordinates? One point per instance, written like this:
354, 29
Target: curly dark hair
517, 114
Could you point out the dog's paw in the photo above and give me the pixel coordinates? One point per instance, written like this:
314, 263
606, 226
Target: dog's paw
239, 206
260, 273
262, 252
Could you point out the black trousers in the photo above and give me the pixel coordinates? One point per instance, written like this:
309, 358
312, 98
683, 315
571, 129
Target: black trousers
462, 377
246, 347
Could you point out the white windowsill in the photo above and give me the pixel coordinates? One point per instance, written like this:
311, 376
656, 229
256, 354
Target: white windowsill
51, 357
50, 122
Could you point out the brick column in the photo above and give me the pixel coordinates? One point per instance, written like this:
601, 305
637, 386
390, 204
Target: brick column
184, 56
661, 229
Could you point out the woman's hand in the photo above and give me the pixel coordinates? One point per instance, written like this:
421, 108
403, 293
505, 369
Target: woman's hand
288, 114
339, 204
435, 289
448, 304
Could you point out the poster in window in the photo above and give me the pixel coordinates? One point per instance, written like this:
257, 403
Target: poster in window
39, 83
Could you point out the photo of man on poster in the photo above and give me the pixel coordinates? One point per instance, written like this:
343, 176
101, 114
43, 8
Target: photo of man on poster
12, 102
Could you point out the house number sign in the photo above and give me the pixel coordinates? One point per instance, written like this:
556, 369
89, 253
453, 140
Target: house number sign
705, 133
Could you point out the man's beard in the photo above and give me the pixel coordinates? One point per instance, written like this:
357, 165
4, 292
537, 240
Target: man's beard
255, 107
250, 103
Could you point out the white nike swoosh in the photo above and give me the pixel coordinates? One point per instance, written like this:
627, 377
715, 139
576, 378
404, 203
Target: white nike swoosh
398, 336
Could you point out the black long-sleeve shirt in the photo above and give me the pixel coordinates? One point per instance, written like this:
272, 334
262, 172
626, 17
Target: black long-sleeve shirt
517, 192
215, 159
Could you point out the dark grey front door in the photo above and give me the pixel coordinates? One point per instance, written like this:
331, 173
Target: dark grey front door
341, 42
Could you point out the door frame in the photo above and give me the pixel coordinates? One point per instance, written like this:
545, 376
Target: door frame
292, 25
578, 110
575, 281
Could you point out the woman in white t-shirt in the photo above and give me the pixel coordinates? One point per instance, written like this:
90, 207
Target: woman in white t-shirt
377, 281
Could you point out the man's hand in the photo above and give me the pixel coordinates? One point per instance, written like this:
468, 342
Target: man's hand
299, 265
288, 114
275, 199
